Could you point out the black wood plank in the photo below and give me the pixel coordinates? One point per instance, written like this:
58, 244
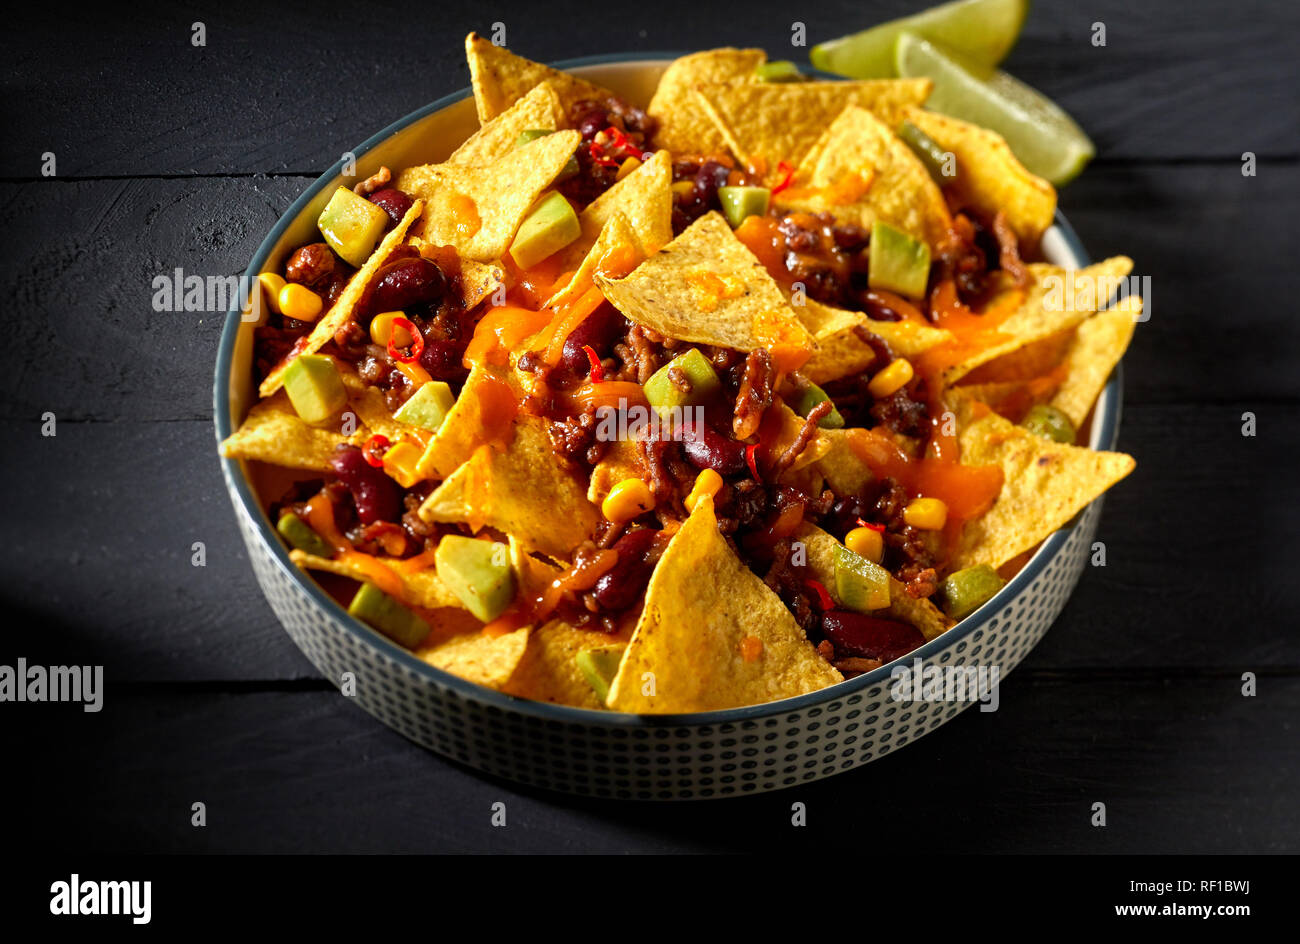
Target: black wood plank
1182, 765
290, 91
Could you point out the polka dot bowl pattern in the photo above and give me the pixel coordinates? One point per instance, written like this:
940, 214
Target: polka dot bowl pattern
606, 754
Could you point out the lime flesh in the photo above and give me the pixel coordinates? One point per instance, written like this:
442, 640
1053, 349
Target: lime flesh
983, 30
1043, 137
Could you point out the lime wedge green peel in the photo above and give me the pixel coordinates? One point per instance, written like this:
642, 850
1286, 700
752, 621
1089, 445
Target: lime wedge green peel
1043, 137
984, 31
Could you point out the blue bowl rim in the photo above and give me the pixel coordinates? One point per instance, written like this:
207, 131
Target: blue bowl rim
242, 491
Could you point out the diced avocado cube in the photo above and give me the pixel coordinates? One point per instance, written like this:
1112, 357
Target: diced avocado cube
860, 584
809, 397
782, 70
352, 225
532, 134
898, 262
741, 202
964, 592
314, 387
927, 149
478, 572
428, 406
550, 227
599, 666
664, 395
1050, 423
300, 535
380, 611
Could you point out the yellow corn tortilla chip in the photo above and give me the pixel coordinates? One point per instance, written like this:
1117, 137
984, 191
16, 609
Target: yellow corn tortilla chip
1012, 398
989, 176
342, 309
644, 197
475, 281
522, 491
1098, 345
781, 426
700, 606
684, 127
921, 613
858, 146
423, 588
841, 352
539, 110
500, 78
765, 123
1045, 484
371, 408
616, 233
549, 670
500, 193
621, 461
844, 472
1024, 363
707, 287
274, 433
461, 431
477, 657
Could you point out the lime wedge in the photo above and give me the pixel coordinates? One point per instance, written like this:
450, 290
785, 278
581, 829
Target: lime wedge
984, 30
1044, 137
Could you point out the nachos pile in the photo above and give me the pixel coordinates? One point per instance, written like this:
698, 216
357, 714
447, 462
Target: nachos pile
683, 405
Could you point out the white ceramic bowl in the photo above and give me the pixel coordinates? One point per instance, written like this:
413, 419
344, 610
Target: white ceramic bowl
607, 754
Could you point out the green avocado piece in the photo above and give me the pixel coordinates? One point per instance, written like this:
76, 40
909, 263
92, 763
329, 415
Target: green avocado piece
314, 387
927, 149
478, 572
664, 395
898, 262
1050, 423
550, 227
599, 666
299, 534
860, 584
380, 611
428, 406
782, 70
352, 225
964, 592
740, 202
570, 168
809, 397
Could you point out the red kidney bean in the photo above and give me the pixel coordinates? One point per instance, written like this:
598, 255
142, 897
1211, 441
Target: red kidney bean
706, 448
869, 637
406, 283
599, 330
444, 360
393, 202
708, 179
620, 586
376, 496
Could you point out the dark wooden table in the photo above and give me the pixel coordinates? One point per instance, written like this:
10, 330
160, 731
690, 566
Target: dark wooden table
170, 155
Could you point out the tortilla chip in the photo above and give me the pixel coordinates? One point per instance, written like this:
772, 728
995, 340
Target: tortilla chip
684, 127
478, 657
274, 433
780, 428
644, 197
701, 604
765, 123
502, 193
341, 311
371, 408
707, 287
617, 233
921, 613
899, 190
1098, 345
1045, 484
501, 78
622, 460
549, 670
844, 472
522, 491
423, 588
1013, 398
989, 176
539, 110
462, 430
1023, 364
841, 352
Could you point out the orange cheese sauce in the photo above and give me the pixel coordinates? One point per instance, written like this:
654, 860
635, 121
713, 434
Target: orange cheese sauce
465, 211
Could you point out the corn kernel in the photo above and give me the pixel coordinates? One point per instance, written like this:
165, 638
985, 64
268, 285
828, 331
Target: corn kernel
626, 168
381, 329
866, 542
300, 303
684, 188
400, 462
271, 285
896, 375
416, 374
626, 500
706, 485
928, 514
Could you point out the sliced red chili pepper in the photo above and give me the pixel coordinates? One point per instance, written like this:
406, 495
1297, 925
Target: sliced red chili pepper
787, 175
417, 342
373, 450
823, 597
599, 156
878, 528
750, 460
597, 369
